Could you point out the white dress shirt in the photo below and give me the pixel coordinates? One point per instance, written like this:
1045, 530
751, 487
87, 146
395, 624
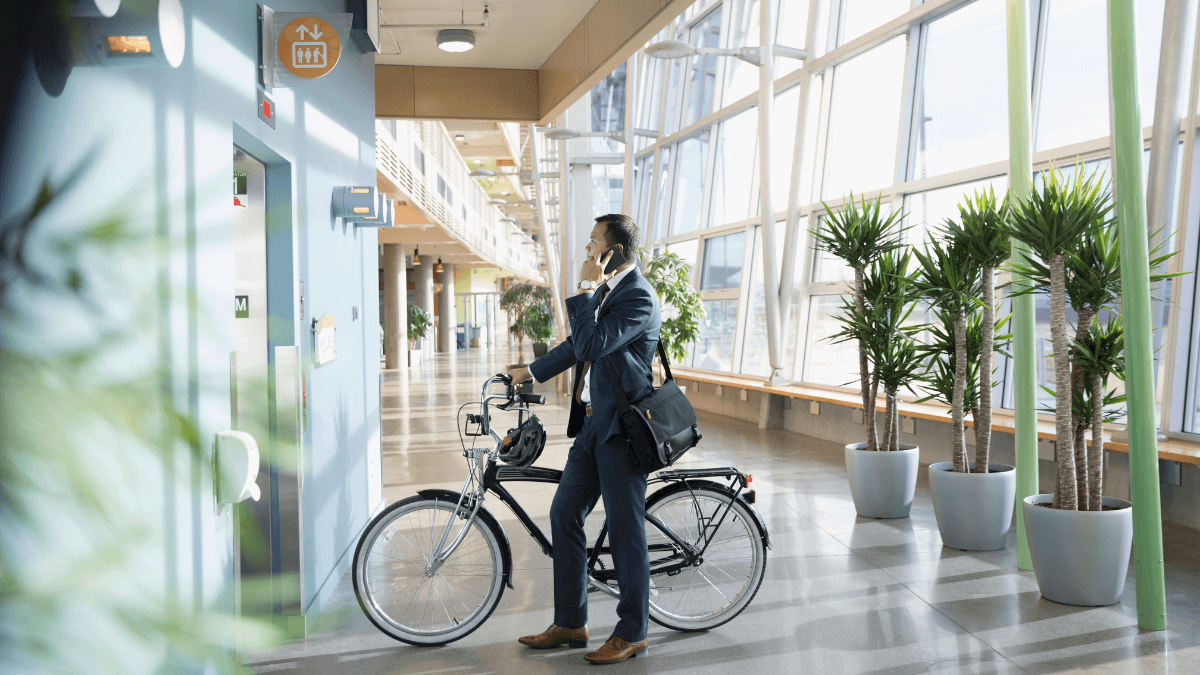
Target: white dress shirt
585, 394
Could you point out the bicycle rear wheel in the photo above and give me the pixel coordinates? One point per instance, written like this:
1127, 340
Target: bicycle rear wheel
730, 571
401, 598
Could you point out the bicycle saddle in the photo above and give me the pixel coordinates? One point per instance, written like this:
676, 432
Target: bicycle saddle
523, 445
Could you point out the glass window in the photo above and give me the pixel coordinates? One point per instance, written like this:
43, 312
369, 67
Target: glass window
419, 159
650, 91
608, 102
689, 184
791, 28
714, 349
723, 262
733, 177
926, 210
865, 120
960, 113
755, 350
827, 267
642, 178
671, 114
1074, 91
607, 183
826, 362
686, 250
783, 142
703, 70
860, 16
661, 203
741, 78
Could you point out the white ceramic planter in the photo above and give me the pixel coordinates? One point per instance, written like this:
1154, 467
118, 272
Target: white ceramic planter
882, 483
974, 510
1080, 557
414, 358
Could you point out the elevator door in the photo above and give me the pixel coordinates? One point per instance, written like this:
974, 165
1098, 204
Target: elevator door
250, 364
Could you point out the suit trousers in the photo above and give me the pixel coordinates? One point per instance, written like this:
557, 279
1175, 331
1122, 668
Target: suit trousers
596, 469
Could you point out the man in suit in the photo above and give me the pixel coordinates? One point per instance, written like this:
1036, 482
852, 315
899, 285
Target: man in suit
615, 318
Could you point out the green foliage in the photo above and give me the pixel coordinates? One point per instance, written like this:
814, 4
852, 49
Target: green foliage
682, 306
939, 352
94, 445
881, 325
950, 278
858, 233
531, 311
1055, 217
419, 323
980, 232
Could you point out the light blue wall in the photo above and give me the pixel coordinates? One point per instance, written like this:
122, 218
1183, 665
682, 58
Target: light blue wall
156, 147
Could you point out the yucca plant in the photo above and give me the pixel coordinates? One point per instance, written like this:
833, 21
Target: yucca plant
979, 233
881, 327
1091, 281
1054, 222
950, 281
860, 234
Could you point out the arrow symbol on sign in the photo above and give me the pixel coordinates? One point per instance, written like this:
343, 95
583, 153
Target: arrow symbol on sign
313, 34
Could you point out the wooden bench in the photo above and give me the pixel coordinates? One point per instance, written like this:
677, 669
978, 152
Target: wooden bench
1002, 420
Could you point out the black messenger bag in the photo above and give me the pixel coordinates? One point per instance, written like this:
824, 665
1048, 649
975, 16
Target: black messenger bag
660, 427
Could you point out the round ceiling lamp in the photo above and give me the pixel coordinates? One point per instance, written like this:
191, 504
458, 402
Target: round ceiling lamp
560, 134
460, 138
455, 40
497, 201
670, 49
481, 173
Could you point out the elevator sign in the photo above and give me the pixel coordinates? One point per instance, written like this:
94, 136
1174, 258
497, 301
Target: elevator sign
309, 47
300, 46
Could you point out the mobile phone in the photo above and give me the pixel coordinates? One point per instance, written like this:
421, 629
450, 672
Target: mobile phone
616, 261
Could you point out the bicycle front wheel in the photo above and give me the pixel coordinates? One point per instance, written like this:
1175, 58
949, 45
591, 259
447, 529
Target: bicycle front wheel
398, 593
729, 572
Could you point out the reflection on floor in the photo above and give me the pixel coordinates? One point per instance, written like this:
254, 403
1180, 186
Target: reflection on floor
842, 594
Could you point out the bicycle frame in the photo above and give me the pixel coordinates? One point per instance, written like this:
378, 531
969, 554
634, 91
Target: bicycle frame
489, 476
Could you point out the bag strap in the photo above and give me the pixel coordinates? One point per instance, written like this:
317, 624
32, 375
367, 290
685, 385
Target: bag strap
662, 355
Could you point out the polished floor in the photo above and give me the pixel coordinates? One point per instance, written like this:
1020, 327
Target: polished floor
842, 594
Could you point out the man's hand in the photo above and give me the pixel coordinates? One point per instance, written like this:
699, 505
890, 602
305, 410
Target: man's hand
519, 375
593, 271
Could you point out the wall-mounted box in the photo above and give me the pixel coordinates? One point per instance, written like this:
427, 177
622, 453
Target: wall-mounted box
355, 202
814, 407
386, 210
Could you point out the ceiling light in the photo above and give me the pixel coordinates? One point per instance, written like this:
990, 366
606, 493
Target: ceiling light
481, 173
455, 40
670, 49
438, 267
460, 138
497, 201
416, 256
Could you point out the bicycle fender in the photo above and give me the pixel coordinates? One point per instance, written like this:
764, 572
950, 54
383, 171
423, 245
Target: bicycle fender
681, 486
487, 517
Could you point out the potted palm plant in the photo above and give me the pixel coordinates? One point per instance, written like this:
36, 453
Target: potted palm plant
882, 477
419, 323
1079, 540
972, 500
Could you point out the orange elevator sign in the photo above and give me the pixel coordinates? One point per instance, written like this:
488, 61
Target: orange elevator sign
309, 47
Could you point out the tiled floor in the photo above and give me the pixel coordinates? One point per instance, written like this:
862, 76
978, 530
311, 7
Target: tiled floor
842, 594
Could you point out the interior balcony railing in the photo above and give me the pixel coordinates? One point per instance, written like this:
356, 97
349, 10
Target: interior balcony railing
420, 161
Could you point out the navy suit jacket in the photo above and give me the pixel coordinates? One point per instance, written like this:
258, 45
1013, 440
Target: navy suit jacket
626, 335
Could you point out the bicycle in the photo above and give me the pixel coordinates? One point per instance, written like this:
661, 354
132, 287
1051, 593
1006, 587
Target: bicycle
420, 582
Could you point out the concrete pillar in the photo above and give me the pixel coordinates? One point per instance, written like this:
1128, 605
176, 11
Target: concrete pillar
423, 297
447, 318
395, 307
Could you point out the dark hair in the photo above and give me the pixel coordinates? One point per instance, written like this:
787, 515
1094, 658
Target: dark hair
622, 230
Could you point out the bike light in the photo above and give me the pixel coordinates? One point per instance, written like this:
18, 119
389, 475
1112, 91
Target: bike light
749, 479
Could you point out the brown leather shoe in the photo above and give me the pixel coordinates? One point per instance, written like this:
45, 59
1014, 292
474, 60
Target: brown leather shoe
616, 650
557, 635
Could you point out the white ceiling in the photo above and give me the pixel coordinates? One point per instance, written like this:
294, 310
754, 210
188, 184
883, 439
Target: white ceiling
522, 33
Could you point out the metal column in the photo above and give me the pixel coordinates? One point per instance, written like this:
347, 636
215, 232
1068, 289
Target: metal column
553, 265
1024, 348
1135, 309
447, 334
630, 99
766, 103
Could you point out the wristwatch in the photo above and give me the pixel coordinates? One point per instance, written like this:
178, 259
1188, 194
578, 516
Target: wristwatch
587, 285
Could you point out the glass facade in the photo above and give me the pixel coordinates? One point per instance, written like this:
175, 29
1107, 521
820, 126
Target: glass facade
919, 118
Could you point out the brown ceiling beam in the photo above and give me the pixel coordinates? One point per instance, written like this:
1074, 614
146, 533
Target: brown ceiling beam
610, 33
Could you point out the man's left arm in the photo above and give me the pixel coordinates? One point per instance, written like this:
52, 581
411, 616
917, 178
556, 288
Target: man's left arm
620, 324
